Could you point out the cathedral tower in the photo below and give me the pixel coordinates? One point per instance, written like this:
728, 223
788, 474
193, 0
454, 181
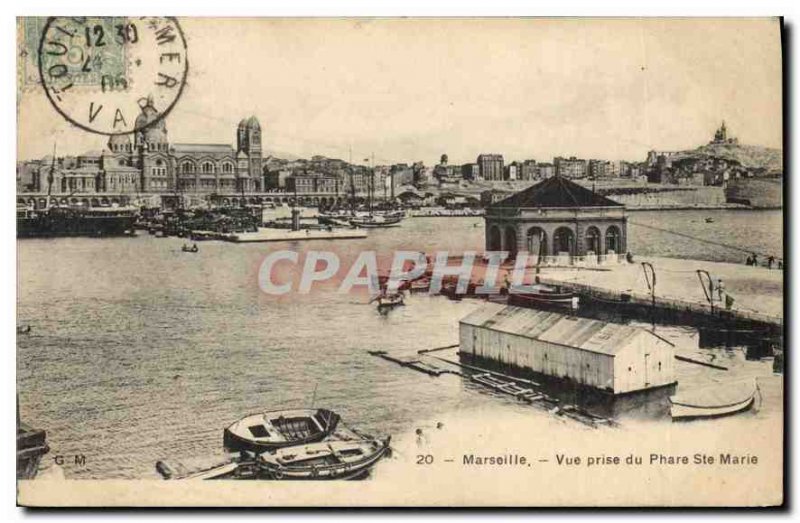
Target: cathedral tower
152, 148
248, 154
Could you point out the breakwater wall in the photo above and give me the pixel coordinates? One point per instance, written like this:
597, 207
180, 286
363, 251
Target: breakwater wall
762, 193
681, 197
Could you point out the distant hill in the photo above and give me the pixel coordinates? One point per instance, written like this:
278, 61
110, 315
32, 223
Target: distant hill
749, 156
283, 155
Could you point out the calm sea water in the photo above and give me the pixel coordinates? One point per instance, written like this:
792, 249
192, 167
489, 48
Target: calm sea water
140, 352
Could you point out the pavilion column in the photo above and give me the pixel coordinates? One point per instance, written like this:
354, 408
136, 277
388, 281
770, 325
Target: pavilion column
580, 238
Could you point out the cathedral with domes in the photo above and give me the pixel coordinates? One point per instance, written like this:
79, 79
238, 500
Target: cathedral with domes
146, 162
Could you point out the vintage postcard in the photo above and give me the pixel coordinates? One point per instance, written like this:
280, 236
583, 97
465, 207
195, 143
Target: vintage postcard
399, 262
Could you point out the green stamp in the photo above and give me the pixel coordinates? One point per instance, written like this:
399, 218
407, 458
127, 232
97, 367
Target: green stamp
88, 50
100, 73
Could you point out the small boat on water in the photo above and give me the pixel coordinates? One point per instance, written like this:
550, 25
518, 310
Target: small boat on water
327, 460
193, 248
421, 284
376, 220
26, 329
713, 402
389, 300
281, 428
545, 296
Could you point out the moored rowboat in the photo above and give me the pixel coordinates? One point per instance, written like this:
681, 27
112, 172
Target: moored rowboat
326, 460
544, 296
713, 402
281, 428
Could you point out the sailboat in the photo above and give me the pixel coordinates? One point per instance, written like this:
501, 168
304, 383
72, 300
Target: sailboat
376, 220
372, 218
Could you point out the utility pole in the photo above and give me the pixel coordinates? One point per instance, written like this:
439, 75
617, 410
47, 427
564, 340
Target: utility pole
708, 288
651, 284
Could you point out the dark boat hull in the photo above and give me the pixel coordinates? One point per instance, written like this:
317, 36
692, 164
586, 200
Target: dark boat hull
31, 446
237, 442
46, 226
562, 301
681, 413
345, 471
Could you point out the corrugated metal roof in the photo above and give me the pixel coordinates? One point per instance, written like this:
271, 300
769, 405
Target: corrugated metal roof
584, 333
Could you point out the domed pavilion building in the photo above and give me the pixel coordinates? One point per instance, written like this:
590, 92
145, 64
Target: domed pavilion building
560, 222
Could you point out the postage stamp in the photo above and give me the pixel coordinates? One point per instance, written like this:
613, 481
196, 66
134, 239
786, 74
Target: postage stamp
108, 34
100, 72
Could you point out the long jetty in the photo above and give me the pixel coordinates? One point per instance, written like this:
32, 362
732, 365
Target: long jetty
757, 292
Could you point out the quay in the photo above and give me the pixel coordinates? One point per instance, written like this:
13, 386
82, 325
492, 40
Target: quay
757, 292
282, 235
577, 240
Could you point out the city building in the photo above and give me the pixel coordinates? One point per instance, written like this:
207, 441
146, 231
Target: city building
470, 171
419, 173
275, 180
602, 169
492, 196
558, 217
149, 163
306, 183
545, 170
490, 167
653, 157
570, 167
446, 173
512, 171
528, 170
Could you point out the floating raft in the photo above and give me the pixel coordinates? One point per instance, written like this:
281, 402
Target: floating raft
413, 363
713, 402
213, 467
524, 390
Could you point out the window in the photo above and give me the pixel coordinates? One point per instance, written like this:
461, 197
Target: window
208, 167
227, 168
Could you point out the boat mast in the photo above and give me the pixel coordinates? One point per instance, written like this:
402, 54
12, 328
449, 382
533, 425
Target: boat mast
50, 178
314, 396
352, 191
371, 183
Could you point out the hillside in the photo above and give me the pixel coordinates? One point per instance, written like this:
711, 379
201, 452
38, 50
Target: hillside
749, 156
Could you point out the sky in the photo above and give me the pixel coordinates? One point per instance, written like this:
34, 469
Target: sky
405, 90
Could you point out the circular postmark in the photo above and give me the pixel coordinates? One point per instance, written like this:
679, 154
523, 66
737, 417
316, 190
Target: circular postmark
101, 73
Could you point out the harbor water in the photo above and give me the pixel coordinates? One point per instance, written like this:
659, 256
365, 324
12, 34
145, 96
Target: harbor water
140, 352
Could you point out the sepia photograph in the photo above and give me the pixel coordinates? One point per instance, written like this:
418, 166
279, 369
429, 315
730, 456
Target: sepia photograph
400, 262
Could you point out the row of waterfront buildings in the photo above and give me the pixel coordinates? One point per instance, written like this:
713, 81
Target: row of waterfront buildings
148, 163
492, 167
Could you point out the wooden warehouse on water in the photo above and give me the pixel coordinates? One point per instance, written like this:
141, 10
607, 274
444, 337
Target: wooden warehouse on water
608, 357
